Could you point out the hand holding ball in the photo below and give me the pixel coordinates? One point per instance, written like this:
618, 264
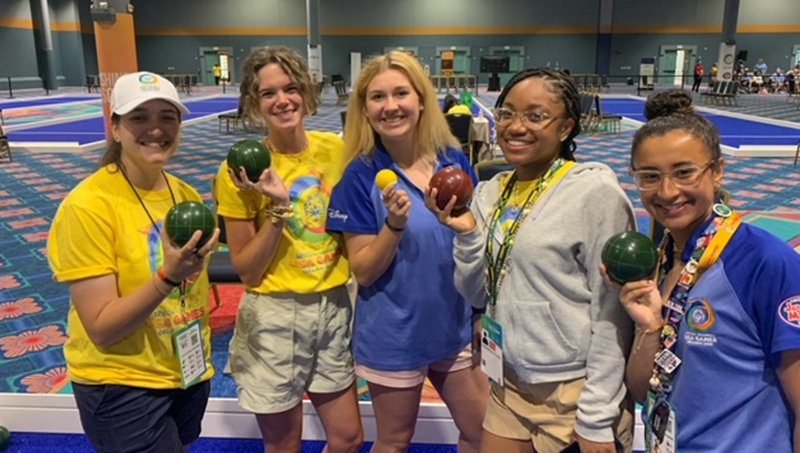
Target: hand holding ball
629, 257
451, 181
185, 218
250, 154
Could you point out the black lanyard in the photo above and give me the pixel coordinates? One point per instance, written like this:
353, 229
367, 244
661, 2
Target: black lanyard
181, 287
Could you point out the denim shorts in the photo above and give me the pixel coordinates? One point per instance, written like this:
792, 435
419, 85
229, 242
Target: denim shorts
120, 419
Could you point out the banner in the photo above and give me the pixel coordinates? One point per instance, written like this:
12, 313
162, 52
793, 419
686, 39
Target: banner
726, 61
116, 56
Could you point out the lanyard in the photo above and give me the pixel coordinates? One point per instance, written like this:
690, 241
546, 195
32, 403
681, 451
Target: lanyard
708, 248
181, 287
496, 268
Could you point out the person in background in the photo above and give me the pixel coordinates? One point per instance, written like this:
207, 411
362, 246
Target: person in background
698, 76
716, 361
529, 252
293, 332
133, 296
217, 73
410, 323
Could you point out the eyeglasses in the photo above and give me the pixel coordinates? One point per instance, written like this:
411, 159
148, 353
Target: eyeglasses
687, 176
531, 119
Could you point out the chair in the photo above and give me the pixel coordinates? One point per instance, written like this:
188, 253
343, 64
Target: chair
341, 92
604, 82
588, 117
796, 154
343, 115
238, 117
92, 84
220, 267
614, 120
730, 94
486, 170
5, 149
459, 126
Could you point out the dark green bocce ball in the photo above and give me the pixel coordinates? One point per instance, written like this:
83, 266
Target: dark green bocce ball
629, 257
185, 218
5, 437
250, 154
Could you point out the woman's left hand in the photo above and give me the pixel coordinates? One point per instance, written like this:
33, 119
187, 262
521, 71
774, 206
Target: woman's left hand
587, 446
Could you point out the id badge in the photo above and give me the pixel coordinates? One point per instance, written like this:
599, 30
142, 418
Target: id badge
661, 428
189, 347
492, 349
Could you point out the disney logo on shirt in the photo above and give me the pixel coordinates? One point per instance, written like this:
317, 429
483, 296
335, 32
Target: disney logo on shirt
336, 214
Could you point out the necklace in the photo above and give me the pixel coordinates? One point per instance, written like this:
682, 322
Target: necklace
271, 146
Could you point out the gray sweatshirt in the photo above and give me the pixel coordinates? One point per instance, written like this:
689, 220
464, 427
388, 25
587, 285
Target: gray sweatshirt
560, 321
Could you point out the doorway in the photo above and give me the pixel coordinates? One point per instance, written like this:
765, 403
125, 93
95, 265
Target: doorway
516, 60
676, 63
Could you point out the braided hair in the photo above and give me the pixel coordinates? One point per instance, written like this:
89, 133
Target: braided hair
562, 85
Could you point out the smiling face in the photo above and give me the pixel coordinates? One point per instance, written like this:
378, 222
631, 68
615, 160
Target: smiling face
149, 134
392, 106
531, 148
280, 98
681, 209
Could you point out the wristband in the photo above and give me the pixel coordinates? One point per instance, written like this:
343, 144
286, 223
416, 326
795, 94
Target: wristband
392, 227
164, 278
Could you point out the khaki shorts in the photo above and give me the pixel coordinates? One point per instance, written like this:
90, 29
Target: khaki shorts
544, 413
287, 344
412, 378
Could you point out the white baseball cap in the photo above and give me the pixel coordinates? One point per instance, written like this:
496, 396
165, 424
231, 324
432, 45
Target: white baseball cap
132, 90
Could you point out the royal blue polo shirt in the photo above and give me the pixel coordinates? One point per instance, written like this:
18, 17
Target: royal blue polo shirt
412, 315
741, 315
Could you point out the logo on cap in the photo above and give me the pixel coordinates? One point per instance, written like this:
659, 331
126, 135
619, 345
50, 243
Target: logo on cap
147, 79
148, 83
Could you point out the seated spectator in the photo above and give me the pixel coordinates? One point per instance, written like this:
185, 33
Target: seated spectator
757, 82
791, 81
761, 66
746, 77
778, 81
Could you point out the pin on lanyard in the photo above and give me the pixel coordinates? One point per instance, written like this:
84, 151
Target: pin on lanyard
182, 285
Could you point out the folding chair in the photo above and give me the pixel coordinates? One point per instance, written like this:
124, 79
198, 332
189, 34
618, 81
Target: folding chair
486, 170
459, 126
5, 148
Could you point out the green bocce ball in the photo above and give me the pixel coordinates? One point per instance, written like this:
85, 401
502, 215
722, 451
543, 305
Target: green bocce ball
629, 257
185, 218
5, 438
250, 154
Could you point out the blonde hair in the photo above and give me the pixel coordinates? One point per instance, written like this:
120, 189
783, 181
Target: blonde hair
292, 64
433, 133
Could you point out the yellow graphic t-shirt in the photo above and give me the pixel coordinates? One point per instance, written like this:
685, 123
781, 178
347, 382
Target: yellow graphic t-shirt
519, 195
308, 259
101, 228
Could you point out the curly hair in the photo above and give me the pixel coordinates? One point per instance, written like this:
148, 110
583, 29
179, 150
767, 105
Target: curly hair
292, 64
672, 110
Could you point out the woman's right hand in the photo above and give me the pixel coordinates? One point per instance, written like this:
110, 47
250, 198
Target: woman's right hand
269, 184
181, 263
641, 300
463, 223
398, 204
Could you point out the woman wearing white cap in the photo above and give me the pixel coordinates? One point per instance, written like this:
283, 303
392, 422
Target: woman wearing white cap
134, 296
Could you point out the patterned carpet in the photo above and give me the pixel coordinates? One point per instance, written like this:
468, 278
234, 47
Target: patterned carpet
33, 308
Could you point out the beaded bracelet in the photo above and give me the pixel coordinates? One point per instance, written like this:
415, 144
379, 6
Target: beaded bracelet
276, 213
642, 333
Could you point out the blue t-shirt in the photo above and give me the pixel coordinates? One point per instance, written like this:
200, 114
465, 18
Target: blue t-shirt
740, 316
412, 315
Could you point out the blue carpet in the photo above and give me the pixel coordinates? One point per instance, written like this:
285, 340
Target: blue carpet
734, 132
39, 102
92, 130
75, 443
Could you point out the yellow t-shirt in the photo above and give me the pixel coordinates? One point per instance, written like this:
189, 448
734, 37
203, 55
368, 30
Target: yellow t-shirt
519, 195
101, 228
308, 259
